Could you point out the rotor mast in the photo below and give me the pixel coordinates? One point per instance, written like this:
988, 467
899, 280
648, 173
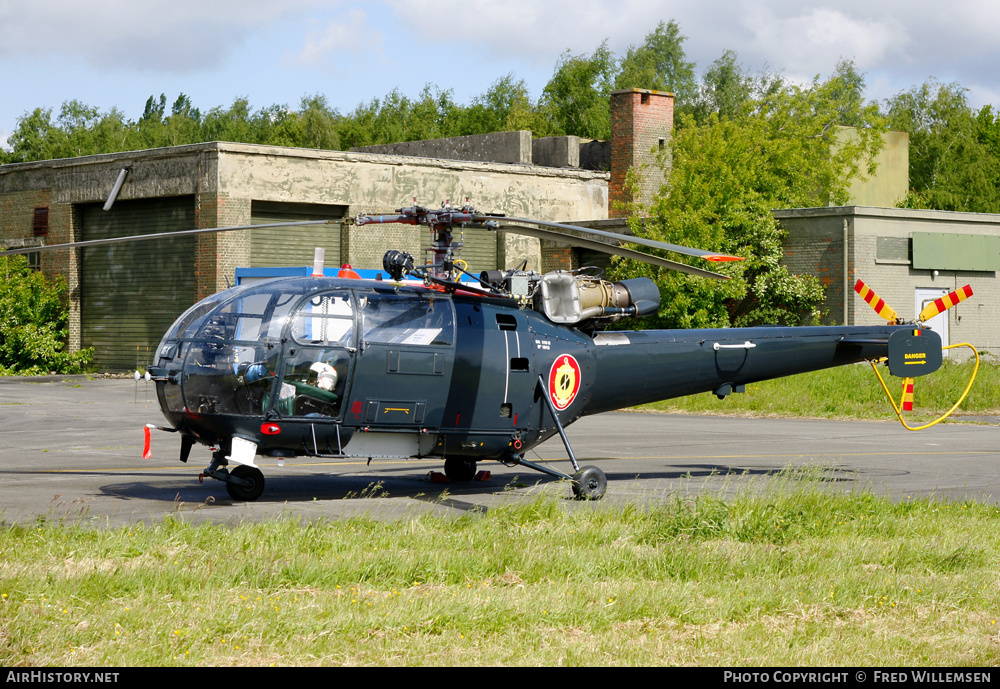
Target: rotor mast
441, 221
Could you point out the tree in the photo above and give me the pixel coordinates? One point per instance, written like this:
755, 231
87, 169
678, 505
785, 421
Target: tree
33, 322
231, 124
726, 87
577, 97
33, 137
777, 151
505, 107
953, 165
316, 124
659, 64
396, 118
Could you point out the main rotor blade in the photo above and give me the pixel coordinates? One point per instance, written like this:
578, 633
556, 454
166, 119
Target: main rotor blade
162, 235
652, 243
595, 245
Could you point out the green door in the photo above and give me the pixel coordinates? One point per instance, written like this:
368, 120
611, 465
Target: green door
132, 292
283, 247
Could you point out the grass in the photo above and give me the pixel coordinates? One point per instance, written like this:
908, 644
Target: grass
852, 392
789, 575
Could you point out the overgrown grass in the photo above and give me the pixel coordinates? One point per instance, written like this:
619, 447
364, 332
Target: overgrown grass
793, 575
852, 392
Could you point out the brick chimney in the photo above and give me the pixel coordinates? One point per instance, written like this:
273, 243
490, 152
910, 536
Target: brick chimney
641, 123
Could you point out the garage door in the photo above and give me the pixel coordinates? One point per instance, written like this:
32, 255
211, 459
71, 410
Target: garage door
479, 249
280, 247
131, 293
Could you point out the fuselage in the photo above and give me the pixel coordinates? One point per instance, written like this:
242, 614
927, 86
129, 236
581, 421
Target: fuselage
322, 366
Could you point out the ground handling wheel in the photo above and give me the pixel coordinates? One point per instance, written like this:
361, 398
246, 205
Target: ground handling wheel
459, 470
250, 485
589, 484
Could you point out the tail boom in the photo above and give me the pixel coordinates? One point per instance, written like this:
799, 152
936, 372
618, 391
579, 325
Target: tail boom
648, 366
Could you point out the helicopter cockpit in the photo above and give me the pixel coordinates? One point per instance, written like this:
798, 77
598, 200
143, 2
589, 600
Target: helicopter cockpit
287, 348
226, 351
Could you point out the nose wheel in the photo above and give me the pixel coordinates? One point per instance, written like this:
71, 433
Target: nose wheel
245, 483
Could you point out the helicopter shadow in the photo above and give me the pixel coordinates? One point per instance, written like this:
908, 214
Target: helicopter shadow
316, 487
312, 488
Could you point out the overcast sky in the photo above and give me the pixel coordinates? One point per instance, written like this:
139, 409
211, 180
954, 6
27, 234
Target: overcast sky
116, 53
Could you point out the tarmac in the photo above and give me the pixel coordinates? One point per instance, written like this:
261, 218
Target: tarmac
72, 452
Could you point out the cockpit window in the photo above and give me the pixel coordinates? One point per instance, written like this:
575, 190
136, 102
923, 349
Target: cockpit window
249, 318
248, 313
190, 320
411, 319
326, 320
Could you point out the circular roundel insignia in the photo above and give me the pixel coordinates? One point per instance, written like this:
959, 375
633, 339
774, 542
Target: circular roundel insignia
564, 381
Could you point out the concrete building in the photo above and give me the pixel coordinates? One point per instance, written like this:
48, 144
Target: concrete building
909, 257
123, 297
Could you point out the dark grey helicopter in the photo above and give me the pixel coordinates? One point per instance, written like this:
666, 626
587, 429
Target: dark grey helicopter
423, 365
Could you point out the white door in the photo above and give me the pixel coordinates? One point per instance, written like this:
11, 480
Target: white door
939, 324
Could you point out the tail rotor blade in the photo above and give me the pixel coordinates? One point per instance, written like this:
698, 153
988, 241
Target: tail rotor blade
908, 394
875, 301
944, 303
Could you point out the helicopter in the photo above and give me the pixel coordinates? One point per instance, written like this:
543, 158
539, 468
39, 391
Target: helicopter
437, 362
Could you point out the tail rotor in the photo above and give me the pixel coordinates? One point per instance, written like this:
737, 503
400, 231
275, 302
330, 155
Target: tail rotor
933, 309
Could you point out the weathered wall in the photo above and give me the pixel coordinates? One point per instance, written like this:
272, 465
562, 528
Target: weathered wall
500, 147
371, 183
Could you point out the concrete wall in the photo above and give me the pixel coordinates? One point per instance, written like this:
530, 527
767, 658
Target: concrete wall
556, 151
501, 147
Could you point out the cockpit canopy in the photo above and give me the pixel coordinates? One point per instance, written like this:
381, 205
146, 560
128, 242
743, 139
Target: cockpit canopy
271, 345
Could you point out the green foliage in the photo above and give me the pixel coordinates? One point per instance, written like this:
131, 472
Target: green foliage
78, 130
659, 64
506, 106
316, 124
954, 162
779, 150
33, 322
725, 88
577, 96
397, 118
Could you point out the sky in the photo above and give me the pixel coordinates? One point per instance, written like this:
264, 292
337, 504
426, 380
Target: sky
116, 53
